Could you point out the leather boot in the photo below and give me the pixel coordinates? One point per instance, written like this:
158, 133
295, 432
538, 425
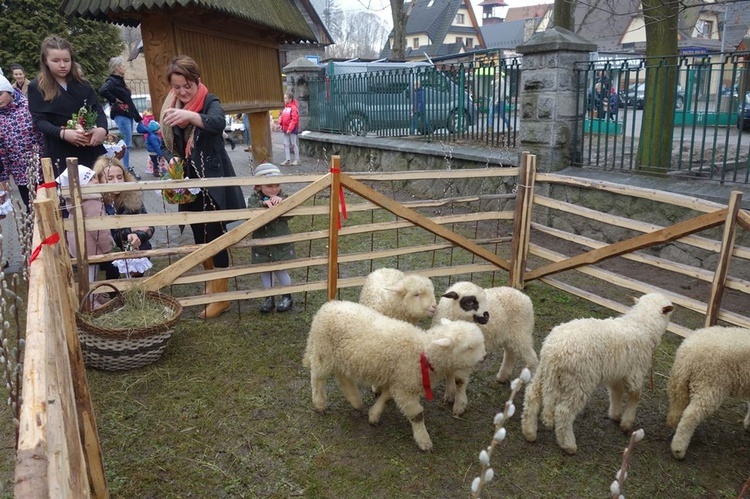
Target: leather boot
285, 304
215, 309
267, 306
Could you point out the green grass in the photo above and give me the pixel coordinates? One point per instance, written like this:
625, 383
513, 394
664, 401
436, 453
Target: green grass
226, 413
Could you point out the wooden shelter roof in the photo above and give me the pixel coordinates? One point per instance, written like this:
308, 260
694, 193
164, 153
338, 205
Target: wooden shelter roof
280, 16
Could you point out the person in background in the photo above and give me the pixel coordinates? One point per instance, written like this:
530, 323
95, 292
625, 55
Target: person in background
56, 94
268, 196
193, 123
123, 203
122, 109
20, 82
153, 144
20, 143
289, 123
98, 242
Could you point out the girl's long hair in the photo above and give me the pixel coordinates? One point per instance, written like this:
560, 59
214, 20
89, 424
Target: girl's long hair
131, 200
47, 84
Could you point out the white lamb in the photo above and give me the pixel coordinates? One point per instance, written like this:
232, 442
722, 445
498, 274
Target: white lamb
407, 297
359, 345
580, 355
508, 325
710, 365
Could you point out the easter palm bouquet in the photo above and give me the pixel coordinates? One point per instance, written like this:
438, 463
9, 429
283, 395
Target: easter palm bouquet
84, 120
176, 171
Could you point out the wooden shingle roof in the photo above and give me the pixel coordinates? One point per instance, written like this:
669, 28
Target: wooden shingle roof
281, 16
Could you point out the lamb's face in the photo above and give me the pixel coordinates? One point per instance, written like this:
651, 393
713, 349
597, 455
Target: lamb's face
470, 303
417, 295
465, 340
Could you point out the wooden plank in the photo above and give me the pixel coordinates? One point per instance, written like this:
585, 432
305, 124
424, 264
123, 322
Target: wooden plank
610, 304
725, 258
335, 222
79, 224
310, 286
32, 460
166, 276
684, 201
628, 223
424, 222
623, 281
667, 234
522, 220
743, 218
651, 260
57, 266
436, 174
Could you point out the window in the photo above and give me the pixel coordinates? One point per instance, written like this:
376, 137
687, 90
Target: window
704, 28
459, 18
469, 42
416, 43
459, 39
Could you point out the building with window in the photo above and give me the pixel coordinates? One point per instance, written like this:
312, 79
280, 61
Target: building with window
436, 28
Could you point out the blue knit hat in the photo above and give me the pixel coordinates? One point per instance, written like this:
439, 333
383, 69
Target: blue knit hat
153, 126
266, 170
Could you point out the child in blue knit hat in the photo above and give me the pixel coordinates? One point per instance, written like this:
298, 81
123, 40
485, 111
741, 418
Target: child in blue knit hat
153, 144
268, 196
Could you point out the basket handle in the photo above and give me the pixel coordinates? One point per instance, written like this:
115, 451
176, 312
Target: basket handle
88, 295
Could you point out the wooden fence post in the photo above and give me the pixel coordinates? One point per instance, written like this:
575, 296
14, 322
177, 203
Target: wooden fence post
725, 258
333, 231
80, 228
522, 219
56, 265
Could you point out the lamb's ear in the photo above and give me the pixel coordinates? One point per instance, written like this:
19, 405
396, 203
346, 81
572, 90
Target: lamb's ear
399, 289
445, 321
667, 309
452, 295
443, 342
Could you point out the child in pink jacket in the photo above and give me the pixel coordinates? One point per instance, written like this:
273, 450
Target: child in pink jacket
289, 124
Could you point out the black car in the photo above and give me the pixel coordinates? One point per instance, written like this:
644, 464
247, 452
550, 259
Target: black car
636, 92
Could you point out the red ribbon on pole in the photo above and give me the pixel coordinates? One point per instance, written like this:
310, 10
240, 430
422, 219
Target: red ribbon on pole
342, 198
47, 185
54, 238
424, 363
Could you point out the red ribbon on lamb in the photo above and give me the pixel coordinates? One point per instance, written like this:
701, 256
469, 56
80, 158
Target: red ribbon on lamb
424, 362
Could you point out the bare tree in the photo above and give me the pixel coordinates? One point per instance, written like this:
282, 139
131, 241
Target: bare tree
562, 14
131, 37
362, 34
332, 18
398, 47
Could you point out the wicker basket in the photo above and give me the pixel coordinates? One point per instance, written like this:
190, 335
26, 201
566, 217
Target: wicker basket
116, 349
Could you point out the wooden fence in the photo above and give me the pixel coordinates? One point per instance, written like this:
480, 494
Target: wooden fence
476, 240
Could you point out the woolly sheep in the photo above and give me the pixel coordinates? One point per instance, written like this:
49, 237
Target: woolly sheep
580, 355
710, 365
508, 325
360, 345
407, 297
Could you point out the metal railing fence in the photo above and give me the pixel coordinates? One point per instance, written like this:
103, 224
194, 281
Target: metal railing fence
707, 132
475, 102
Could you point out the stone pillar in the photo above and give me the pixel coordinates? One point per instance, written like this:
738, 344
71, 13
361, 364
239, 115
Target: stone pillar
548, 96
297, 73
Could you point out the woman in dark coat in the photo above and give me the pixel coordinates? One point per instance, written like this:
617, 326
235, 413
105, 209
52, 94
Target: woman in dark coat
55, 95
122, 109
192, 125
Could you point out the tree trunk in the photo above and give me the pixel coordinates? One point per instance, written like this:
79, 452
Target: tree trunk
398, 44
562, 14
655, 145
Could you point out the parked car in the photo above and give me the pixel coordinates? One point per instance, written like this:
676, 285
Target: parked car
635, 94
365, 97
743, 114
